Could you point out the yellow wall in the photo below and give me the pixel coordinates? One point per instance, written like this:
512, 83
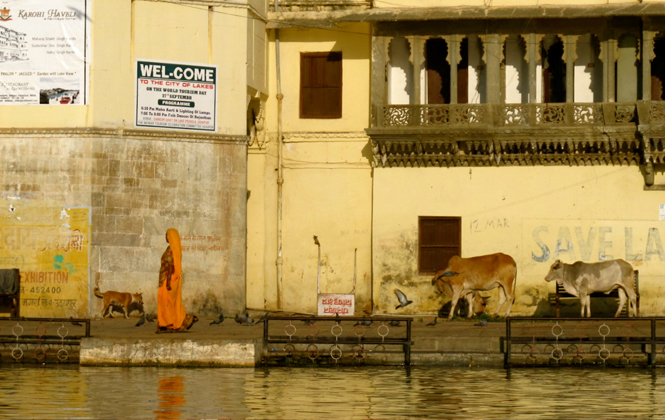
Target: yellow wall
354, 41
327, 188
123, 31
593, 212
139, 182
51, 245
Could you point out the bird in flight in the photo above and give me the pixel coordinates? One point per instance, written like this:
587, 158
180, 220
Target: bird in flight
403, 300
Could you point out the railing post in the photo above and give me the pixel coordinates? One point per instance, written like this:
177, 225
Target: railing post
493, 115
266, 354
407, 346
652, 354
532, 117
506, 356
380, 109
609, 116
414, 115
642, 111
569, 108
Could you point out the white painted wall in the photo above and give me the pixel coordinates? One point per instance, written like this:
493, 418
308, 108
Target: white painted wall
400, 74
584, 66
476, 86
517, 79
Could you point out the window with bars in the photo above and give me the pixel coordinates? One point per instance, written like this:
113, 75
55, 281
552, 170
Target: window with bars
321, 85
439, 238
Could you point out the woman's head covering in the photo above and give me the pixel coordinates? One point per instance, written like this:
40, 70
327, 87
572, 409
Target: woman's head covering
173, 237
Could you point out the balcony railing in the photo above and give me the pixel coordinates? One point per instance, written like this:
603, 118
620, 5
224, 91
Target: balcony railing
320, 5
520, 134
513, 115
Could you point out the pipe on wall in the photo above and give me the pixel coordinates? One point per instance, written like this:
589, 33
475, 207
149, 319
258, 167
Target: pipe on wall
280, 169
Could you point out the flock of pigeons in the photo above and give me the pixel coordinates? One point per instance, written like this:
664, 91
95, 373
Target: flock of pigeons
246, 320
145, 317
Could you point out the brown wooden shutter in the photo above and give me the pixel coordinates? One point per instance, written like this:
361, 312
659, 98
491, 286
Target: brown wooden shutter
439, 238
321, 85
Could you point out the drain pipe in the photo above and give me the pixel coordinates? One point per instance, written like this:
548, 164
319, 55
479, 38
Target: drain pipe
280, 169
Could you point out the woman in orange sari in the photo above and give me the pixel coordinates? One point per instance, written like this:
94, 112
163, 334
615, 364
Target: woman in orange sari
171, 313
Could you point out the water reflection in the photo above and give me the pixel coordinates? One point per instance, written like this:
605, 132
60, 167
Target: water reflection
329, 393
171, 394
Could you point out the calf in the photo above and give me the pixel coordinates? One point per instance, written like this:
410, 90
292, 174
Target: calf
462, 309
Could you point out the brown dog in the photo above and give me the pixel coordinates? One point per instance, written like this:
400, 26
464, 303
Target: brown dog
121, 299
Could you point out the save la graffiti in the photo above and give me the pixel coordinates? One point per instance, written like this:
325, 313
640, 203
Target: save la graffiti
597, 242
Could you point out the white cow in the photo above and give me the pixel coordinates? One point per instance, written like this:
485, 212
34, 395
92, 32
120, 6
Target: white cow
581, 279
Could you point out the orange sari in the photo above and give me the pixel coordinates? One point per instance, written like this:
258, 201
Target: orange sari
171, 313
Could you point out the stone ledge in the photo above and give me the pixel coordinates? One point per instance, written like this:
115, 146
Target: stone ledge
461, 345
126, 133
170, 352
394, 14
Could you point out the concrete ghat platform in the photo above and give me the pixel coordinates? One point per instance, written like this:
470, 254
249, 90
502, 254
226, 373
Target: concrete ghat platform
118, 342
164, 352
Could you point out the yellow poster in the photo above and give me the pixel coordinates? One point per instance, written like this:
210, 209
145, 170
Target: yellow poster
50, 246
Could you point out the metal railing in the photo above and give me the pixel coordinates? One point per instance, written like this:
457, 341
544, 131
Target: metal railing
604, 341
334, 339
50, 335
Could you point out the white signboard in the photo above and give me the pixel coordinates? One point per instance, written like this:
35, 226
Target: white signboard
44, 52
176, 95
331, 304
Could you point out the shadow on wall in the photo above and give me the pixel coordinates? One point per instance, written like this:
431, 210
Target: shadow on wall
570, 308
206, 304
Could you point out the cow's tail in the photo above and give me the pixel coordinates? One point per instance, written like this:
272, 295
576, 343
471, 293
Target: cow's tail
514, 285
98, 293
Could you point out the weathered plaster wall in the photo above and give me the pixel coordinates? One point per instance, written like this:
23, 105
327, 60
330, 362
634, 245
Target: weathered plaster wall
535, 214
327, 192
137, 188
354, 41
196, 187
327, 188
141, 182
332, 201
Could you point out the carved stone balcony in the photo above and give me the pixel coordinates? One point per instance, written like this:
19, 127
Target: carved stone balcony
519, 134
652, 129
320, 5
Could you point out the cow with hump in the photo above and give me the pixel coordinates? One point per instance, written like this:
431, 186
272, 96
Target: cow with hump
464, 276
581, 279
